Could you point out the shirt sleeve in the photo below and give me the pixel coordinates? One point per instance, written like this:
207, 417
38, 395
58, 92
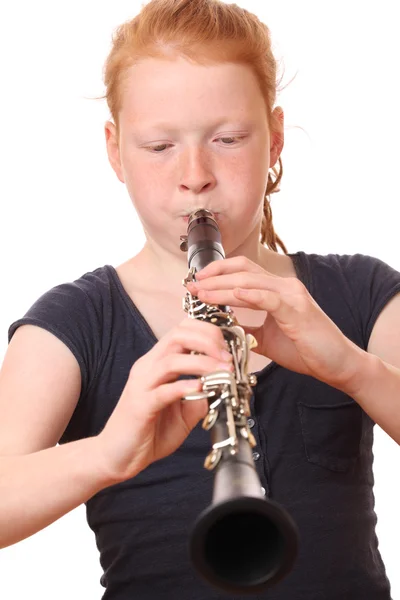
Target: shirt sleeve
71, 312
373, 283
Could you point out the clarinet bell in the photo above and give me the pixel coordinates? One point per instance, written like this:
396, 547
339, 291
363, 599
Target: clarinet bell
244, 545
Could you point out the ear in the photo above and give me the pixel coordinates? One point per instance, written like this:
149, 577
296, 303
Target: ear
113, 149
277, 135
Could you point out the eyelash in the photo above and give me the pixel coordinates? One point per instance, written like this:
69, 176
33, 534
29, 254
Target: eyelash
153, 148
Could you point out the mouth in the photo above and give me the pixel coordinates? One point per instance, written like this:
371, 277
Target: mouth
186, 219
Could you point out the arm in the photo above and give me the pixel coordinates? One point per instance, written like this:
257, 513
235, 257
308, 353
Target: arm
376, 388
375, 385
40, 384
37, 489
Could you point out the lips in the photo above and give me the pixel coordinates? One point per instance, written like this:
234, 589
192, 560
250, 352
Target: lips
186, 219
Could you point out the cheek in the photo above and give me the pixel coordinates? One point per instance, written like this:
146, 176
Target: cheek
250, 175
144, 180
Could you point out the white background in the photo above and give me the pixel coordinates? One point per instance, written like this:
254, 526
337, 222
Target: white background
63, 212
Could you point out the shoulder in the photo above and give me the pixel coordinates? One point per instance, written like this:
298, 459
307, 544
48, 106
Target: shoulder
78, 302
356, 268
92, 283
370, 287
366, 281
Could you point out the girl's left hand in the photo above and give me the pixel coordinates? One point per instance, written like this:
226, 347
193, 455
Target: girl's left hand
296, 333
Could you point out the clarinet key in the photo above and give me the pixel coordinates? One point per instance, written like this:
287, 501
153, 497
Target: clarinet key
210, 419
213, 459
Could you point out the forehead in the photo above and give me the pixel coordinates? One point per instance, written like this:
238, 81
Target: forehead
156, 86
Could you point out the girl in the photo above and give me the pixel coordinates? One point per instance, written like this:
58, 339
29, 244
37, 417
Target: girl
191, 86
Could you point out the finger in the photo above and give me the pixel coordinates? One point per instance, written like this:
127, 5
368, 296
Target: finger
193, 412
222, 297
165, 395
172, 366
241, 279
229, 265
294, 311
246, 298
191, 334
264, 300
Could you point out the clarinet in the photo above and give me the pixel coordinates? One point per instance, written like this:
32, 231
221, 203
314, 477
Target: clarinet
242, 542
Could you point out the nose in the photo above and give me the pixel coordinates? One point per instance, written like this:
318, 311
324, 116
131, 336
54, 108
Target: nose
196, 172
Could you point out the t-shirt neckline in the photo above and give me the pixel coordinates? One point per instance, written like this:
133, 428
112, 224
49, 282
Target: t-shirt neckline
302, 272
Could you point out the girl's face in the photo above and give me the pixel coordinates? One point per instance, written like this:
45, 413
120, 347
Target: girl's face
194, 136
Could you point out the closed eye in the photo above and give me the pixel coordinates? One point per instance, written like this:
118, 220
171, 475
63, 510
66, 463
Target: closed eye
227, 141
231, 138
156, 149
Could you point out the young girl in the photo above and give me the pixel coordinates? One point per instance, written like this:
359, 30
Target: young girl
191, 86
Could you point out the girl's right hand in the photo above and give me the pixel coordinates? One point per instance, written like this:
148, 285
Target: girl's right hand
150, 420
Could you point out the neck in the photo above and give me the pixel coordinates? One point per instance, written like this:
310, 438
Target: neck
165, 271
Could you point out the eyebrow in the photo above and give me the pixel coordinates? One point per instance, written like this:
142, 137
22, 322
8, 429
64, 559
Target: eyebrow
161, 125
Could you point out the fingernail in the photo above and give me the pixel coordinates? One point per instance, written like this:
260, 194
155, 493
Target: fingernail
226, 356
192, 385
226, 366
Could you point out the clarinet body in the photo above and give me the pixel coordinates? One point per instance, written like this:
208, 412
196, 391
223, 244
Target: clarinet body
243, 542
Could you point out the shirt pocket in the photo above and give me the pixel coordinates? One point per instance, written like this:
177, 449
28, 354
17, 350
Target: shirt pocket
331, 434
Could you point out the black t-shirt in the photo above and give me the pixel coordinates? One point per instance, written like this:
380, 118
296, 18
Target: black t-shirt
314, 444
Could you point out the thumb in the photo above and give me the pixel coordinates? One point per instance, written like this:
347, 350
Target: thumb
193, 411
